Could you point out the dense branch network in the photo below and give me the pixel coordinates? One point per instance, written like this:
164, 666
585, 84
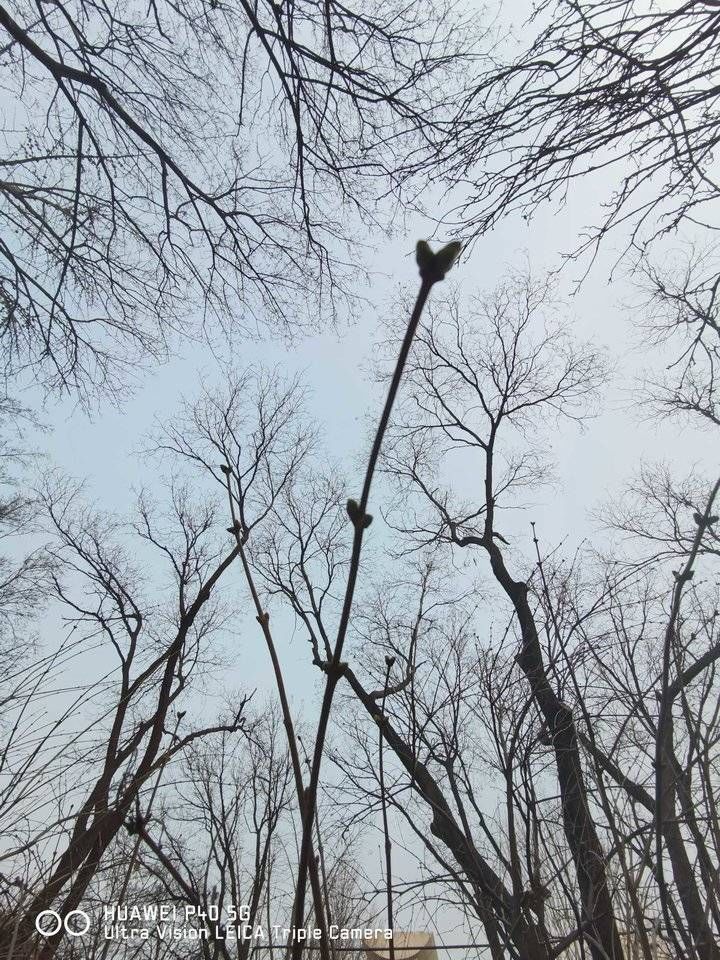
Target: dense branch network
206, 161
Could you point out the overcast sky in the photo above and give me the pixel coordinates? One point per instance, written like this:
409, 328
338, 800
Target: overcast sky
593, 463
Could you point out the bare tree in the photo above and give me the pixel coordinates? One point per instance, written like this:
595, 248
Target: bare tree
238, 802
208, 159
465, 396
622, 95
157, 642
678, 313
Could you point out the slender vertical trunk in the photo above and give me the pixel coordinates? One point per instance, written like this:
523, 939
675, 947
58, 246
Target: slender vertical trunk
580, 832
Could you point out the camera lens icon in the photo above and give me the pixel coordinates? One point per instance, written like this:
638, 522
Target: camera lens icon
49, 922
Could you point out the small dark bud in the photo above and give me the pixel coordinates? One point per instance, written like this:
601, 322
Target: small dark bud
434, 266
353, 511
